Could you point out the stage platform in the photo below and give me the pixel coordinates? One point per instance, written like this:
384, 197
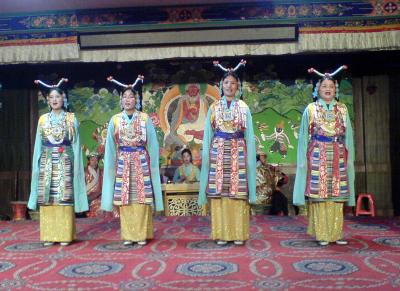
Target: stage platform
279, 256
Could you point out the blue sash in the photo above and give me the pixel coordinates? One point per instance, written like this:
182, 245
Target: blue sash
323, 138
132, 149
54, 145
229, 135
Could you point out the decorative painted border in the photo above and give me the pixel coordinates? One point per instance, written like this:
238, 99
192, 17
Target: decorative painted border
168, 17
312, 17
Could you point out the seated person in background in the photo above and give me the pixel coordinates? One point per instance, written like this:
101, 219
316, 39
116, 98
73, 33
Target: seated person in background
93, 179
163, 176
266, 179
187, 173
279, 202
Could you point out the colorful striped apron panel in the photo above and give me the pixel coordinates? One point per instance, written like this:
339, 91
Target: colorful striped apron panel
56, 176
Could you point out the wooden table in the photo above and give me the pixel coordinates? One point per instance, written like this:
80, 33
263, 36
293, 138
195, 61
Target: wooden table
180, 199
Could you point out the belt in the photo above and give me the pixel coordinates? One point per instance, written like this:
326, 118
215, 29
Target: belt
229, 135
54, 145
132, 149
324, 138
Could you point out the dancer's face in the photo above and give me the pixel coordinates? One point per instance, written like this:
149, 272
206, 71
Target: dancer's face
230, 86
55, 100
128, 100
327, 90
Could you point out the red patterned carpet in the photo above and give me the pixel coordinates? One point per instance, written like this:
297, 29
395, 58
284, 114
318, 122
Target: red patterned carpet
279, 256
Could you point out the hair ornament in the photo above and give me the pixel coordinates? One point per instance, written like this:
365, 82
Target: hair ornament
327, 75
62, 80
140, 78
241, 63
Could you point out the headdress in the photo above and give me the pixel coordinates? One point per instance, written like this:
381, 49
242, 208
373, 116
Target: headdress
326, 76
93, 154
62, 80
230, 70
131, 86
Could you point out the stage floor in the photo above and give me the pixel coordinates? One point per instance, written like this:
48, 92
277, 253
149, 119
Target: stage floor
279, 256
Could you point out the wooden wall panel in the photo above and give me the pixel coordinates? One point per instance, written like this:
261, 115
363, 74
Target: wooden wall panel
8, 184
358, 127
15, 130
394, 105
15, 147
377, 141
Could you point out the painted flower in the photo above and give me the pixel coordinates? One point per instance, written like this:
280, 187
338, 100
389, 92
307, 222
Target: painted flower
291, 11
304, 10
280, 11
73, 20
317, 11
85, 19
50, 22
330, 9
60, 150
63, 20
155, 119
37, 21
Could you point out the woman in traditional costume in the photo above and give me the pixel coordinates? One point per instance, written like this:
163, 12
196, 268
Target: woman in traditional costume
131, 168
228, 172
325, 161
187, 172
58, 181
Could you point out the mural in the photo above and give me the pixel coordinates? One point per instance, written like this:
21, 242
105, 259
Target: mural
178, 102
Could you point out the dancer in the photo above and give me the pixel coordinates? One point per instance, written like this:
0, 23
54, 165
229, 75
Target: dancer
58, 181
325, 158
131, 168
228, 172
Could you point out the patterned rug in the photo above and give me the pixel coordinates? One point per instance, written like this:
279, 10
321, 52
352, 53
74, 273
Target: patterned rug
279, 256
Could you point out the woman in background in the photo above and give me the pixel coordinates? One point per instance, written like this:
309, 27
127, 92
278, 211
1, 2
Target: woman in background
187, 172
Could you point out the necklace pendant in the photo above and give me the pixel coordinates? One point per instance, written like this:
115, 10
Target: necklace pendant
329, 116
227, 115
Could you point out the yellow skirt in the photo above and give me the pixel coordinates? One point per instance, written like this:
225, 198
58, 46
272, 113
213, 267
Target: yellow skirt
136, 222
57, 223
325, 220
230, 219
